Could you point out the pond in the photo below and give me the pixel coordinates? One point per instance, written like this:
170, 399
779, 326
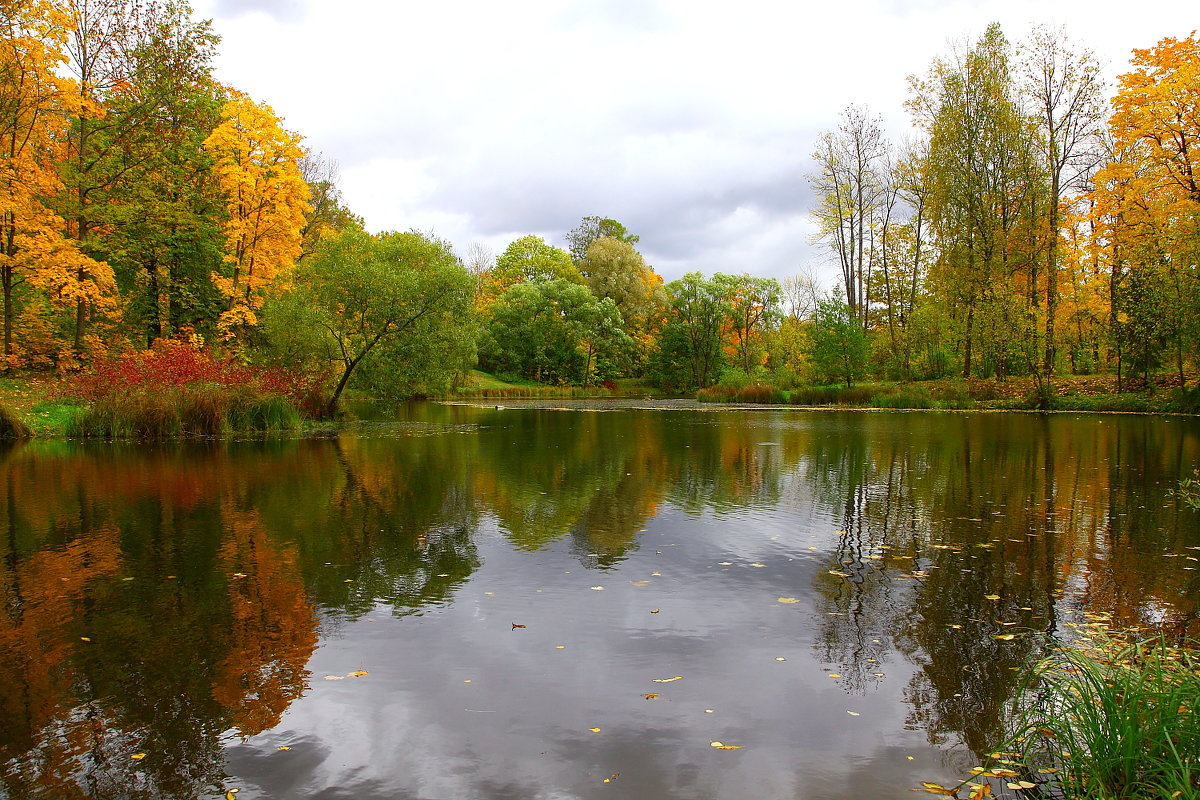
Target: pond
462, 602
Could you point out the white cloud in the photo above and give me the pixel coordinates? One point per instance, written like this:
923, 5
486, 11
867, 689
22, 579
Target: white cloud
691, 122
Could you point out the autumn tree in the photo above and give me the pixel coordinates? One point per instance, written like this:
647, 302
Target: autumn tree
985, 195
614, 269
35, 107
1148, 199
257, 167
1064, 91
752, 309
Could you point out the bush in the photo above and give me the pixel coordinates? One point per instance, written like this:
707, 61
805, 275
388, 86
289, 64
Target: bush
903, 398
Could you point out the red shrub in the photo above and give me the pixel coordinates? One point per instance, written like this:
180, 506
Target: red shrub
172, 364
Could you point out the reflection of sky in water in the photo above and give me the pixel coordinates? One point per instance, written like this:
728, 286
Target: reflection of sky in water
909, 542
413, 727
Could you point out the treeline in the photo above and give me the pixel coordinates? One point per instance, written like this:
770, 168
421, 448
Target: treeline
1029, 230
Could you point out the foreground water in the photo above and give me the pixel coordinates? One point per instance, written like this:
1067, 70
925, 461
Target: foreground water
517, 603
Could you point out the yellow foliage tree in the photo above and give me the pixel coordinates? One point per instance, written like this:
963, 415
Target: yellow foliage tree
257, 166
1147, 200
35, 104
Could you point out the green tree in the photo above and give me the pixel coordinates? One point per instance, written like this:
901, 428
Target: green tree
753, 308
551, 331
400, 298
837, 345
614, 269
691, 347
591, 229
530, 259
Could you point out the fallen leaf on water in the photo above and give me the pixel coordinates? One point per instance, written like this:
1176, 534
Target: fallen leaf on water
854, 713
780, 658
991, 597
708, 711
651, 696
1048, 770
839, 573
284, 747
517, 625
668, 680
84, 639
655, 610
1004, 637
612, 777
1001, 773
787, 600
980, 791
594, 730
358, 673
835, 675
937, 788
722, 746
597, 588
725, 563
443, 574
333, 677
1021, 785
639, 583
878, 674
138, 756
758, 565
232, 794
560, 647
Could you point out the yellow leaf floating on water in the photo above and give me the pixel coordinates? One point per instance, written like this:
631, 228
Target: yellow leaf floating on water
639, 583
1002, 773
980, 790
835, 675
651, 696
612, 777
780, 658
1021, 785
232, 794
760, 566
284, 747
138, 756
84, 639
723, 746
787, 600
854, 713
597, 588
839, 573
1004, 637
937, 788
991, 597
358, 673
655, 610
594, 730
334, 677
668, 680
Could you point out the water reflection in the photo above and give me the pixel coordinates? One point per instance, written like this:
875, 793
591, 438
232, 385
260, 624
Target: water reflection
184, 601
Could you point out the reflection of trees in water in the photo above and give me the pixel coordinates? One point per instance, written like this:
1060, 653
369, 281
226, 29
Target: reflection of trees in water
938, 525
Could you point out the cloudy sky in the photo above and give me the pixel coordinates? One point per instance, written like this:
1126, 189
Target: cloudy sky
690, 121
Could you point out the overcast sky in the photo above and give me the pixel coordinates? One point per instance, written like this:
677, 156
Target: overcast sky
692, 122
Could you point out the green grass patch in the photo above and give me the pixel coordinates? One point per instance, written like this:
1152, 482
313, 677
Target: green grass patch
1108, 719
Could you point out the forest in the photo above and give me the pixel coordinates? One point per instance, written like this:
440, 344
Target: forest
1032, 226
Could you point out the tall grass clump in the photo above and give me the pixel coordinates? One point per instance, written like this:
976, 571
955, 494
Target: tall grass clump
1109, 720
753, 393
176, 389
902, 398
11, 426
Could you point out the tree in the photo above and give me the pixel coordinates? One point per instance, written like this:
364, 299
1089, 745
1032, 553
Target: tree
691, 347
1065, 90
530, 259
163, 218
752, 308
986, 192
35, 105
590, 229
257, 166
401, 297
837, 345
1147, 206
850, 185
327, 212
614, 269
551, 331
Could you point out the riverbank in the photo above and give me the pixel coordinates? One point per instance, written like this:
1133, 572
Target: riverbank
32, 398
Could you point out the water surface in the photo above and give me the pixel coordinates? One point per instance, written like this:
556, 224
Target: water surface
821, 589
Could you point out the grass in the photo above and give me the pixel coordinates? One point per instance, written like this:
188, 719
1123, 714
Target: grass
1110, 719
12, 426
484, 385
199, 410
